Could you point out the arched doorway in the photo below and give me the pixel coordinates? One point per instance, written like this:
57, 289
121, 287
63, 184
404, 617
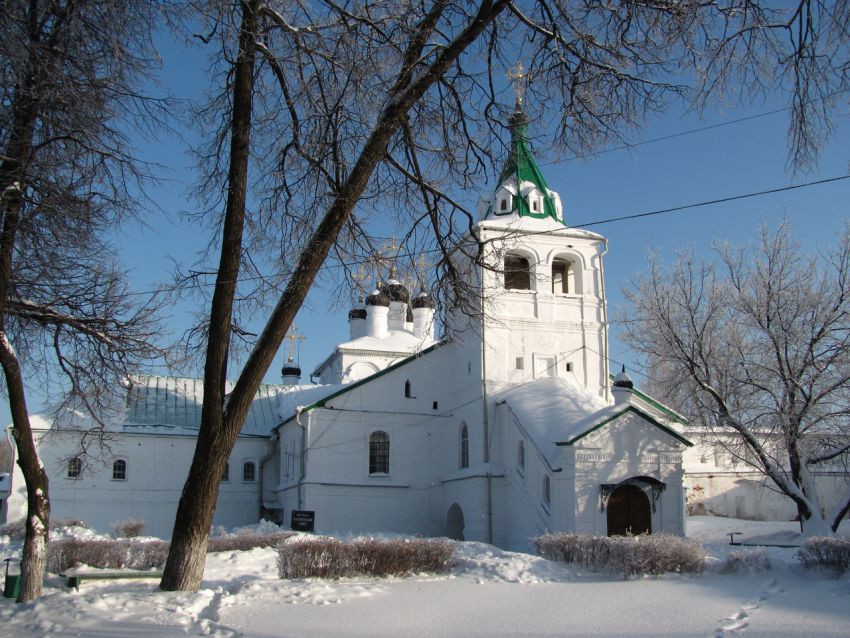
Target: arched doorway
454, 523
628, 511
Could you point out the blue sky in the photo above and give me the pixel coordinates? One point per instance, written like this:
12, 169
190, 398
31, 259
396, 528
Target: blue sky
725, 161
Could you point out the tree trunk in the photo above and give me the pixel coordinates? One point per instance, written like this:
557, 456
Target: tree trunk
186, 557
34, 560
16, 155
219, 431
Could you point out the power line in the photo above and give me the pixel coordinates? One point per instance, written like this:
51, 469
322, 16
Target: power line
693, 131
598, 222
711, 202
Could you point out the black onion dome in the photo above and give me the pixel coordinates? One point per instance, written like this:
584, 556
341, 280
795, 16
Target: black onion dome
423, 300
378, 298
357, 313
291, 369
623, 380
396, 291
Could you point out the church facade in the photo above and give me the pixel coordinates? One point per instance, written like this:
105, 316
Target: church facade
512, 427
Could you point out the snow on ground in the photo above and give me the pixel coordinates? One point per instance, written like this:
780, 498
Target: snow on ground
490, 592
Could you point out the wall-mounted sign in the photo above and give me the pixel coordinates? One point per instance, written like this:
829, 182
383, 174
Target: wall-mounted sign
303, 520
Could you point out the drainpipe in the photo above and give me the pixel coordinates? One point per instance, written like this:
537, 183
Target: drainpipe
271, 452
305, 435
605, 362
485, 413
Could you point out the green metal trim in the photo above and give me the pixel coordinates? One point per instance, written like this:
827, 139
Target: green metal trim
630, 408
657, 404
348, 388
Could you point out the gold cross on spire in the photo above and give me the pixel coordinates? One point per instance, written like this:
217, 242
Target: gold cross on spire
359, 277
391, 251
294, 336
518, 77
422, 266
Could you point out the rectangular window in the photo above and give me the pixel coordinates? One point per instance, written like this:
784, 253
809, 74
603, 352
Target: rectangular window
520, 364
379, 453
119, 470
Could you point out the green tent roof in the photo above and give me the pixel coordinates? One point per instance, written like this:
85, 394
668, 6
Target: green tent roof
522, 166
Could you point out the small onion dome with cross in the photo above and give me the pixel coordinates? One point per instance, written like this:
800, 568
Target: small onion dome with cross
378, 298
291, 369
396, 291
423, 300
623, 380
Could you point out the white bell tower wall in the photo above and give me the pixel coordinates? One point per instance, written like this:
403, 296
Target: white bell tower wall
544, 299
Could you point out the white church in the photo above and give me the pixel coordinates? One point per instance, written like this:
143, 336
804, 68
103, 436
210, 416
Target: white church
512, 427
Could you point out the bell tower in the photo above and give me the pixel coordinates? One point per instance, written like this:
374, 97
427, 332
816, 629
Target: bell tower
543, 293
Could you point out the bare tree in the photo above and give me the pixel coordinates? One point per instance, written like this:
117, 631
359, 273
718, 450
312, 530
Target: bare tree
340, 109
70, 76
755, 348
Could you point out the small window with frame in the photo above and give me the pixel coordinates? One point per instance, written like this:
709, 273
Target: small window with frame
119, 470
75, 468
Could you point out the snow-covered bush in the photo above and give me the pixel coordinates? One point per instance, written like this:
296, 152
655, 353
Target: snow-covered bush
133, 554
105, 553
827, 552
330, 558
128, 528
627, 555
16, 530
245, 542
753, 560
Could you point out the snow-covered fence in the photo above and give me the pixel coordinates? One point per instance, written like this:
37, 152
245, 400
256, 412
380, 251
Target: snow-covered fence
627, 555
330, 558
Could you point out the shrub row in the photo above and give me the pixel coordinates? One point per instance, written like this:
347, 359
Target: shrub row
826, 552
130, 554
330, 558
16, 530
627, 555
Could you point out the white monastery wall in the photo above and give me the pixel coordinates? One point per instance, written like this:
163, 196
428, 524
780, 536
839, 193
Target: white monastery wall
156, 468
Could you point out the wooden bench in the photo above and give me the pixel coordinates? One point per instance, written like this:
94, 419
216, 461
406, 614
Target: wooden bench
76, 576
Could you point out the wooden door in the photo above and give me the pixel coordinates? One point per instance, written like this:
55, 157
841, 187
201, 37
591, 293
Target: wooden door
628, 512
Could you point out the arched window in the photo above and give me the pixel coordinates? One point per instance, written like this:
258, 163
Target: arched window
566, 276
547, 491
119, 470
561, 276
75, 467
517, 272
520, 457
408, 390
226, 475
503, 204
464, 446
379, 453
249, 471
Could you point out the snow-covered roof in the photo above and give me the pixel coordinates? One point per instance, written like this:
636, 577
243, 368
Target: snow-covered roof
397, 343
554, 411
549, 408
403, 341
290, 399
530, 224
174, 403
